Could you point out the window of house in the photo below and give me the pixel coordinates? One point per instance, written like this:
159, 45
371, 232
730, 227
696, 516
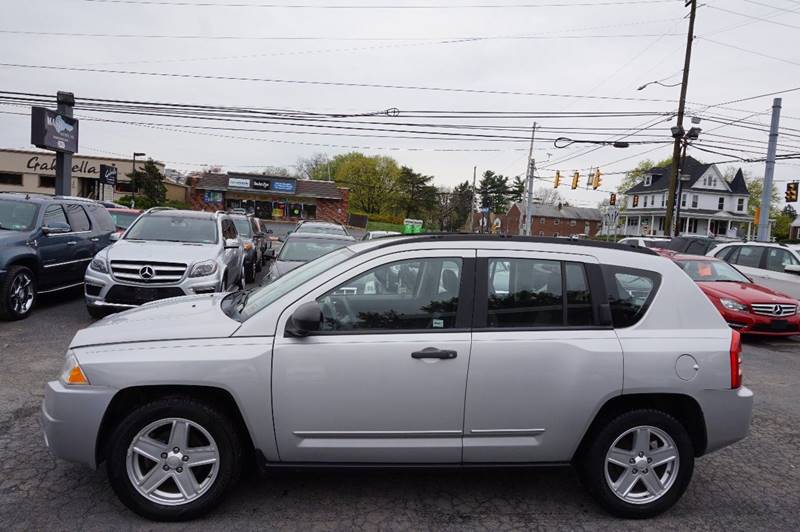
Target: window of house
721, 204
556, 221
573, 223
124, 187
541, 233
410, 294
714, 182
10, 179
645, 201
77, 218
683, 200
740, 204
695, 199
663, 199
555, 235
47, 181
648, 180
542, 221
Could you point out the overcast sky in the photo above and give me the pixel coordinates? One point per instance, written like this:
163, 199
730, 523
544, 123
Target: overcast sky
620, 47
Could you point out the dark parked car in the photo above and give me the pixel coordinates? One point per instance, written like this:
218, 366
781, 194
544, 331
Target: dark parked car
300, 248
46, 242
691, 245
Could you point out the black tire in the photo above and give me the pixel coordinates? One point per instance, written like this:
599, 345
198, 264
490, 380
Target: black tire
592, 467
96, 312
8, 309
250, 272
212, 420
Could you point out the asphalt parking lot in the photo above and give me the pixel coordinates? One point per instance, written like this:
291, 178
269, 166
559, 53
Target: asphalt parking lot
752, 485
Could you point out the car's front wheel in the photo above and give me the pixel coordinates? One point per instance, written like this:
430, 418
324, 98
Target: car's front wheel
17, 293
174, 459
639, 464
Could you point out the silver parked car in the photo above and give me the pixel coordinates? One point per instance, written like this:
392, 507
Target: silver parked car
166, 253
437, 350
775, 266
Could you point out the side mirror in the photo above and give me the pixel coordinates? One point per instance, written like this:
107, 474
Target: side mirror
306, 319
56, 228
114, 236
792, 268
231, 243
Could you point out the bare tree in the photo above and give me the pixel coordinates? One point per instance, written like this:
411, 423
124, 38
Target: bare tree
318, 166
277, 171
547, 196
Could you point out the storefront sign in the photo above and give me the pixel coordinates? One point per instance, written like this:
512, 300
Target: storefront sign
212, 196
52, 131
261, 184
38, 165
284, 186
108, 174
236, 182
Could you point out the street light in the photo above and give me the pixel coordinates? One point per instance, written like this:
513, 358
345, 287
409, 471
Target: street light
133, 188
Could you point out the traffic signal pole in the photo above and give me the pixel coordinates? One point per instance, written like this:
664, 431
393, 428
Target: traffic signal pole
769, 171
529, 184
676, 149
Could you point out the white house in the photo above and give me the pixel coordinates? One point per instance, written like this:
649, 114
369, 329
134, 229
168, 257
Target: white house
709, 204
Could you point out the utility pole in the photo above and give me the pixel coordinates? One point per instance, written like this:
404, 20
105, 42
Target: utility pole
474, 200
676, 150
66, 102
766, 192
526, 230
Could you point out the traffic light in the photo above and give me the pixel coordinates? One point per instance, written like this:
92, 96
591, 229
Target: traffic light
791, 192
596, 180
613, 199
557, 180
575, 177
635, 200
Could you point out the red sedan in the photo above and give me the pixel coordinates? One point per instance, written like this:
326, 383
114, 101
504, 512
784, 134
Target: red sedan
746, 306
123, 218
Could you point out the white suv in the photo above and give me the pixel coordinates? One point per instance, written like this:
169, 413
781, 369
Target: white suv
773, 265
166, 253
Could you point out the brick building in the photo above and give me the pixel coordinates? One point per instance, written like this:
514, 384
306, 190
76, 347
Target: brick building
554, 220
271, 197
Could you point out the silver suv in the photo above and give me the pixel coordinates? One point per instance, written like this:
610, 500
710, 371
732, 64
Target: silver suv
436, 350
166, 253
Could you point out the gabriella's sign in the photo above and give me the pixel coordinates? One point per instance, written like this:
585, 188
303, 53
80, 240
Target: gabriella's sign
49, 166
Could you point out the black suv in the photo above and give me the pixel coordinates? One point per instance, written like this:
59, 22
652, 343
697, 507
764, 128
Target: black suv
46, 242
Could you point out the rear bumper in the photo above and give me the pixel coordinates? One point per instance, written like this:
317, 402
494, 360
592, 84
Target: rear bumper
71, 417
727, 414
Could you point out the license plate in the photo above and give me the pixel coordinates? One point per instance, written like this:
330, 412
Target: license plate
779, 325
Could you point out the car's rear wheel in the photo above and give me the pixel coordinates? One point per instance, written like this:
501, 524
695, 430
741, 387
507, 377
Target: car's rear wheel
174, 459
639, 464
17, 293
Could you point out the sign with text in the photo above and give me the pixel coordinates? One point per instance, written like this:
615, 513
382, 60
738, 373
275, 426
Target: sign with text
108, 174
261, 184
53, 131
237, 182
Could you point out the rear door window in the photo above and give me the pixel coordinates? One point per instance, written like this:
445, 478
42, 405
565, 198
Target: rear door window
630, 292
750, 256
778, 259
53, 214
103, 218
78, 218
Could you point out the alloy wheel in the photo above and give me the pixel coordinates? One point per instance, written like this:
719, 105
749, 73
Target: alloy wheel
642, 464
21, 294
172, 461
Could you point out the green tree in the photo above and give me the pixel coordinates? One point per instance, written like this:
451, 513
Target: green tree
149, 182
494, 192
416, 193
452, 209
518, 189
637, 174
790, 211
373, 181
755, 185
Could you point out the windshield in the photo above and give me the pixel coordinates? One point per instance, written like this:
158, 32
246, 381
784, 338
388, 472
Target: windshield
264, 296
174, 229
243, 227
123, 219
302, 250
324, 229
710, 270
17, 215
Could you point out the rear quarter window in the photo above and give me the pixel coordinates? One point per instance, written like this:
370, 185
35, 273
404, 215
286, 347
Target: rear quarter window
630, 293
102, 217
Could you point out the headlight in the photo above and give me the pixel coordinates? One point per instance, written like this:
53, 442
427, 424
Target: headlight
72, 374
201, 269
248, 246
733, 305
99, 265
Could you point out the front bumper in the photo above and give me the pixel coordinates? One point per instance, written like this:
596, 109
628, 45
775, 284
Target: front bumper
71, 418
727, 414
98, 286
748, 323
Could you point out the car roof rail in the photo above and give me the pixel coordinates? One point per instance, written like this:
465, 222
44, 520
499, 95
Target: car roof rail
75, 198
156, 209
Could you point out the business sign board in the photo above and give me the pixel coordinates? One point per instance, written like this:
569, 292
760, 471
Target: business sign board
261, 184
237, 182
284, 185
53, 131
108, 174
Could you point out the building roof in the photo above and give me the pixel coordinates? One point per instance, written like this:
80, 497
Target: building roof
570, 213
305, 187
694, 169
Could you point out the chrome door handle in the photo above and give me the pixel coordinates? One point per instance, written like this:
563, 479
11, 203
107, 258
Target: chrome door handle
432, 352
95, 239
72, 243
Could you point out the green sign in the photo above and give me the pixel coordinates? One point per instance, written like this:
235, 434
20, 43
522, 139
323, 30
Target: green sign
412, 227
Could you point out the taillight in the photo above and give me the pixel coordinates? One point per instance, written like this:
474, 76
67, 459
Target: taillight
736, 360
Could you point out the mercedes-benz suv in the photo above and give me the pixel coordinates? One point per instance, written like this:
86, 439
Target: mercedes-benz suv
166, 253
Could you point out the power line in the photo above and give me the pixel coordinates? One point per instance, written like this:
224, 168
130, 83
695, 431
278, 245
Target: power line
381, 6
788, 61
760, 19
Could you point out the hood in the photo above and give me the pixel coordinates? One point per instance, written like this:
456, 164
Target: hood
281, 267
177, 318
8, 237
149, 250
745, 292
